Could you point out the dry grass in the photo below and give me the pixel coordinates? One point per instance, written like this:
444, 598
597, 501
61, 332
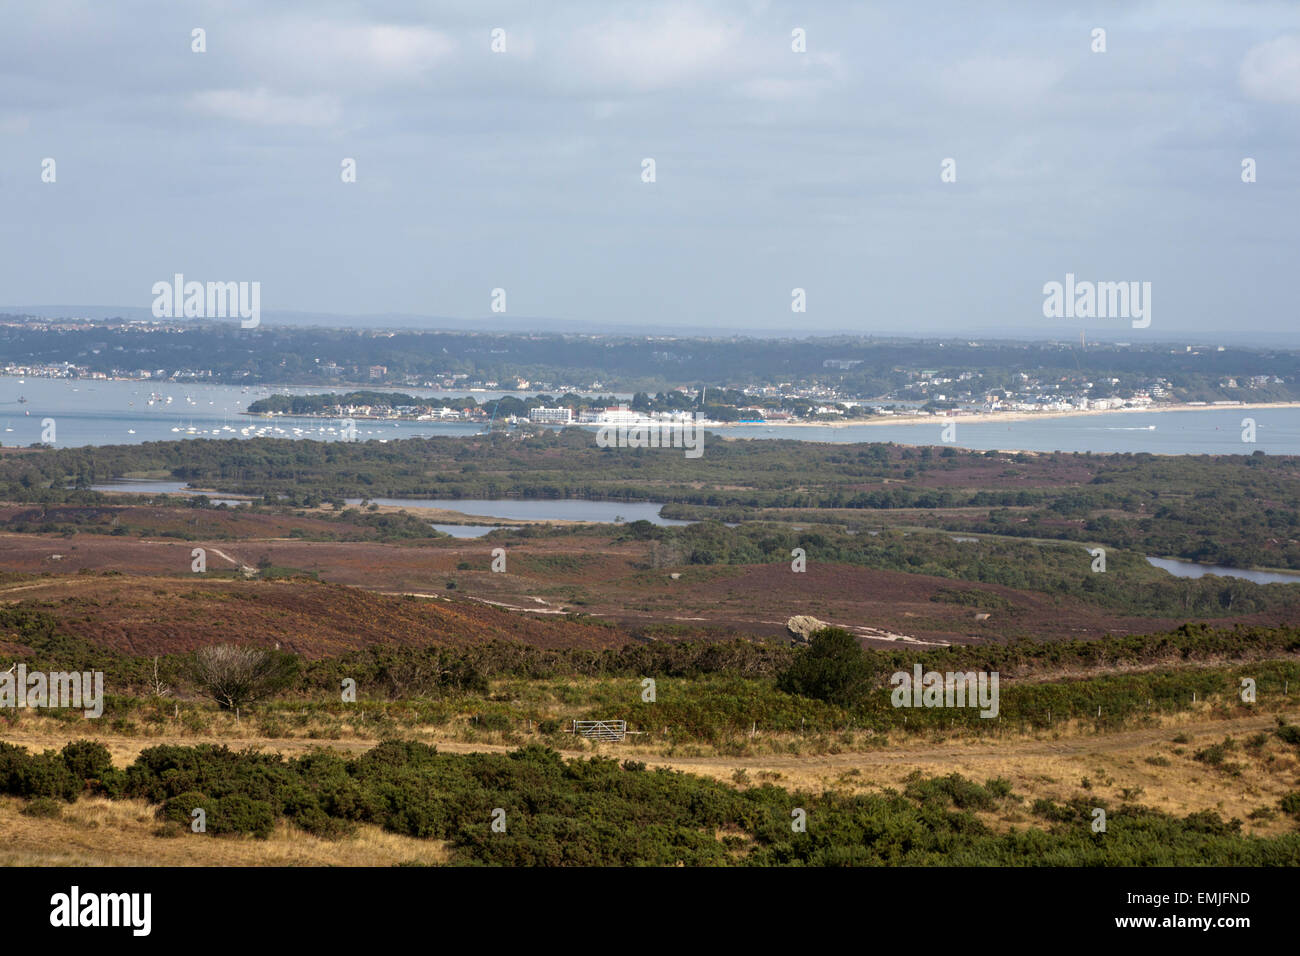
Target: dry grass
98, 832
1055, 767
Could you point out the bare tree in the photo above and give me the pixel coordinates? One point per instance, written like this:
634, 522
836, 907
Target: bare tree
233, 675
159, 688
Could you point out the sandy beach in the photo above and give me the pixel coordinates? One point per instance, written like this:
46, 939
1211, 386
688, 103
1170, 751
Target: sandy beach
994, 417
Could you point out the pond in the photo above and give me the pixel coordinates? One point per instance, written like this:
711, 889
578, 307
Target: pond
465, 530
1190, 569
548, 509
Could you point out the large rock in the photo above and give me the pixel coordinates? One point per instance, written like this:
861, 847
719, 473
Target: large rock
802, 627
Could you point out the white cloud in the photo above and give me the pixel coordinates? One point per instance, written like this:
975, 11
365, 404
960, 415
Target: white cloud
338, 54
14, 124
652, 53
1271, 71
402, 49
1000, 81
265, 108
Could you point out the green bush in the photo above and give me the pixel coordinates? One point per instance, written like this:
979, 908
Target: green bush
237, 813
598, 812
180, 808
37, 775
87, 760
43, 807
831, 669
1291, 803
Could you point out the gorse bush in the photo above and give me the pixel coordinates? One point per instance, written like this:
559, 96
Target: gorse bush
597, 812
87, 760
43, 808
49, 774
832, 669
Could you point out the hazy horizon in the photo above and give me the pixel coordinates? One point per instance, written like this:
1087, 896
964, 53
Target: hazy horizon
1286, 339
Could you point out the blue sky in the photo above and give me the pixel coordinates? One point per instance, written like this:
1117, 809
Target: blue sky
774, 169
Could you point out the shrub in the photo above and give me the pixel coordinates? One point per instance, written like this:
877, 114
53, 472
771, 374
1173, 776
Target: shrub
87, 759
1207, 821
1291, 804
44, 808
318, 823
234, 675
497, 722
999, 787
953, 789
832, 669
1288, 733
38, 775
237, 813
180, 808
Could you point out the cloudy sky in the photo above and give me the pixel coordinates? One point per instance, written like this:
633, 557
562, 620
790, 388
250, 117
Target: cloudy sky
774, 169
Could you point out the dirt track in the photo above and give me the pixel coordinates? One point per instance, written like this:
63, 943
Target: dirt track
962, 750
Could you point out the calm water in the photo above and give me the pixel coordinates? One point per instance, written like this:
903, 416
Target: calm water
119, 413
144, 487
1189, 569
98, 413
560, 509
1209, 432
465, 530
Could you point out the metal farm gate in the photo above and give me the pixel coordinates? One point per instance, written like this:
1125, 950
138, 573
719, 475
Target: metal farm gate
601, 729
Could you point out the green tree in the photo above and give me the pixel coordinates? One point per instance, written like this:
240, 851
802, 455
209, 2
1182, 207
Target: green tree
832, 669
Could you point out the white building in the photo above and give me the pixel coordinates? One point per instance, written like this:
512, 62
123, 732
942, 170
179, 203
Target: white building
551, 416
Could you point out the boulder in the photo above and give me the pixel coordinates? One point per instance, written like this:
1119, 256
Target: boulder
802, 627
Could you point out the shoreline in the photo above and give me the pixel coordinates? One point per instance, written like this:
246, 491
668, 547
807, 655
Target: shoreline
975, 418
985, 418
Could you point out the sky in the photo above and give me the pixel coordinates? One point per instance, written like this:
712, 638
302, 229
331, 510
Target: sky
774, 169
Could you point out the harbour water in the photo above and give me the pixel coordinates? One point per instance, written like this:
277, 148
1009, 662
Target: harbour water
89, 412
1209, 431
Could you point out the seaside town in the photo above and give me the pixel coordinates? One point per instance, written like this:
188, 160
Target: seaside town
928, 393
502, 379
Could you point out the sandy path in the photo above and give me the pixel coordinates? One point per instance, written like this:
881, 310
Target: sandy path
963, 750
